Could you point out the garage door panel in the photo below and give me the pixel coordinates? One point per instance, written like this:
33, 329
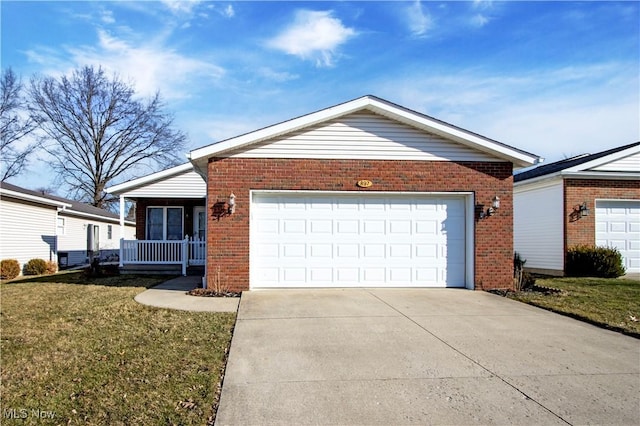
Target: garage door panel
618, 225
374, 251
330, 240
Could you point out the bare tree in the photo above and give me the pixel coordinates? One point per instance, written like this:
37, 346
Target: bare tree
15, 124
97, 131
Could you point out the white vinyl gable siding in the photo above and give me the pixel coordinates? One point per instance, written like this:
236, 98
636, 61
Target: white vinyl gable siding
630, 163
362, 135
27, 231
538, 224
184, 185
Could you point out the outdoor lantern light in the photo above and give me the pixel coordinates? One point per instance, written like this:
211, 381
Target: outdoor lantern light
496, 202
583, 209
232, 203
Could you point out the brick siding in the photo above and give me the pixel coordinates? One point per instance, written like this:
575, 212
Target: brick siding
228, 235
576, 191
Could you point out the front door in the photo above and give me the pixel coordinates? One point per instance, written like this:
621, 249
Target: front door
199, 223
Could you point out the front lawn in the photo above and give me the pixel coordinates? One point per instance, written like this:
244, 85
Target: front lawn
612, 303
84, 352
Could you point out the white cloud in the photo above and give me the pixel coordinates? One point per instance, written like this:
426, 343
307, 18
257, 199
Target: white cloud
314, 35
181, 6
277, 76
552, 112
418, 20
229, 12
479, 20
106, 16
151, 66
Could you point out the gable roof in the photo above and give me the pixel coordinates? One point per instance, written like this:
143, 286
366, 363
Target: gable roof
582, 164
376, 105
65, 205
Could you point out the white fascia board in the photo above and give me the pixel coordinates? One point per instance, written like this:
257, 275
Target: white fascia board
135, 183
33, 198
472, 140
116, 220
278, 129
537, 183
601, 175
375, 105
604, 160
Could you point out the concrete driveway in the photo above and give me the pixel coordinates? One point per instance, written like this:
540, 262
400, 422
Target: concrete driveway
348, 357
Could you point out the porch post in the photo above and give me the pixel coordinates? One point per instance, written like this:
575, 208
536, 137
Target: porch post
185, 255
121, 217
121, 257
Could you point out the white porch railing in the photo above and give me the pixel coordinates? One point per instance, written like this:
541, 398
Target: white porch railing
190, 251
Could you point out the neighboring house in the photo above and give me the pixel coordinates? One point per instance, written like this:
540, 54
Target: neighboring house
170, 206
589, 199
37, 225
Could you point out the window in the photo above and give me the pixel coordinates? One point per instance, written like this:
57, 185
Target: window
60, 226
109, 232
164, 223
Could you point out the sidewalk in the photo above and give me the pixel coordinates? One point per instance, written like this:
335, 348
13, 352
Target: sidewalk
172, 295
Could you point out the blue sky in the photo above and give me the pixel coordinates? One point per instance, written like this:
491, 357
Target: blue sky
553, 78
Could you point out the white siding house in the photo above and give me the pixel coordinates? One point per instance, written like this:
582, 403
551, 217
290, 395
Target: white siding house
28, 226
538, 235
35, 225
591, 199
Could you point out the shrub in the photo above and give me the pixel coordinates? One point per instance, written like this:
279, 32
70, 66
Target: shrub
522, 280
9, 269
590, 261
52, 267
35, 267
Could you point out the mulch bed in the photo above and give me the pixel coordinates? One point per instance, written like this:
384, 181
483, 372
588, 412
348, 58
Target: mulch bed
207, 292
534, 289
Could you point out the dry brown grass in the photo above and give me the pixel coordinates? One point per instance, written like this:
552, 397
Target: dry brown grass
92, 355
610, 302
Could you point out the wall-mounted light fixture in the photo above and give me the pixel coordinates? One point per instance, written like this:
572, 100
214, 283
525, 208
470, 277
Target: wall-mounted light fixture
232, 203
495, 205
581, 210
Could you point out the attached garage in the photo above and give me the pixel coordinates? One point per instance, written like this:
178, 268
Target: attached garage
362, 194
618, 225
316, 239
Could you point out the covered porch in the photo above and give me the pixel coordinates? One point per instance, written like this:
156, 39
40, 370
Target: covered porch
169, 208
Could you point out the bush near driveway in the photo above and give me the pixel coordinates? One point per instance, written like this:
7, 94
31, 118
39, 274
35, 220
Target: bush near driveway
590, 261
608, 302
92, 355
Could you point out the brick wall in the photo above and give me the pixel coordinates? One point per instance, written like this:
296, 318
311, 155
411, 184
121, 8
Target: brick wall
577, 191
228, 235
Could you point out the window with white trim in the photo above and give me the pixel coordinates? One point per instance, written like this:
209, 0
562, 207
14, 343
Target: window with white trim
109, 232
60, 226
164, 223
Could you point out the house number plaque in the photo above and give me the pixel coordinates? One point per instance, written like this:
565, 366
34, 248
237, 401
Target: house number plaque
364, 183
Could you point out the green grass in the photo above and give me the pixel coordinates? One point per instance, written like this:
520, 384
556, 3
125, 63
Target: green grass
92, 355
608, 302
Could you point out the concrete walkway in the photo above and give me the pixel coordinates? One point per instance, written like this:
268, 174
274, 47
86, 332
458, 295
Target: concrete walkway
172, 295
440, 356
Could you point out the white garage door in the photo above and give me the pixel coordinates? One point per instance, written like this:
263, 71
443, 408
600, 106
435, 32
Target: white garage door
335, 240
618, 225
